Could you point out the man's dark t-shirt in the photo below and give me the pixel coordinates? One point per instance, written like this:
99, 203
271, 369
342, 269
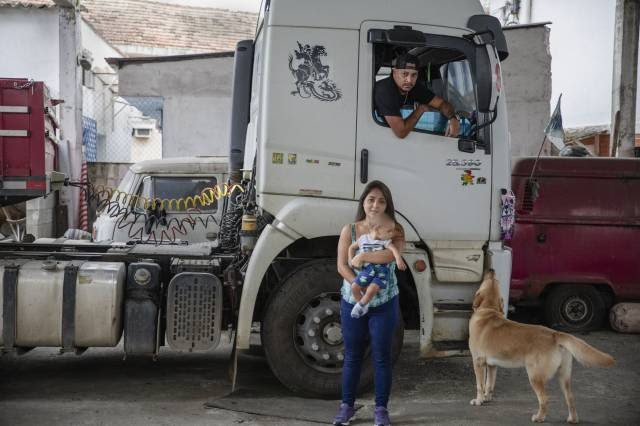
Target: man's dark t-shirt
388, 99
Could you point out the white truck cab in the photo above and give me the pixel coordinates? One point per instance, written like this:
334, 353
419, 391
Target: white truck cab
167, 179
315, 141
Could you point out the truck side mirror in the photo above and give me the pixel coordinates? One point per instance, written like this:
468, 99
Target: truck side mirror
467, 145
488, 79
490, 30
491, 49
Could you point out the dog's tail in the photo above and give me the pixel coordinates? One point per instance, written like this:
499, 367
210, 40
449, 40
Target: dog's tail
586, 354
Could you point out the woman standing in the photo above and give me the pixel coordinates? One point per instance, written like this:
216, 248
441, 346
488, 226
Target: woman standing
381, 319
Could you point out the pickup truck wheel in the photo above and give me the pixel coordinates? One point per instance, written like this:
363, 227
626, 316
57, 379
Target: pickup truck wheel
574, 307
302, 335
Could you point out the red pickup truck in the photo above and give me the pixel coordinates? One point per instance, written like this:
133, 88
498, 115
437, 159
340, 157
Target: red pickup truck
576, 247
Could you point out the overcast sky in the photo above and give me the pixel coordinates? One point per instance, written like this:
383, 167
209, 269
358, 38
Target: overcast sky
248, 5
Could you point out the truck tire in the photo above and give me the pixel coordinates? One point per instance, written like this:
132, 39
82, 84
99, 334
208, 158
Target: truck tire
302, 337
574, 307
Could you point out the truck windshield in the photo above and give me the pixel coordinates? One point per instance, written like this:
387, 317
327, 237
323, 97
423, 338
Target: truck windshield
186, 188
121, 194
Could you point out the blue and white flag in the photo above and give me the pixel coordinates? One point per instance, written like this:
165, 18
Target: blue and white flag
554, 131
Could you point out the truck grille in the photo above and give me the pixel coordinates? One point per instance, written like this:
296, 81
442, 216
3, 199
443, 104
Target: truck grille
194, 311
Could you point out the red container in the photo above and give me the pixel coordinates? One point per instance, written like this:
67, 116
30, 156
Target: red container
576, 247
28, 140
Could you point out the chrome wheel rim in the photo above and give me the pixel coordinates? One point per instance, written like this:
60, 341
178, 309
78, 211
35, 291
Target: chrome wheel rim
317, 333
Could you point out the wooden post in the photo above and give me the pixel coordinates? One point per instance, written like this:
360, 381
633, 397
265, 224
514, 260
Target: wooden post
625, 71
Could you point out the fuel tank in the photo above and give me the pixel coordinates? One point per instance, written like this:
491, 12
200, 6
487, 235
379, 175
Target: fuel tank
96, 315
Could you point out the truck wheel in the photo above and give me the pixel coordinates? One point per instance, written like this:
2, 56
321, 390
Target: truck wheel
302, 335
574, 307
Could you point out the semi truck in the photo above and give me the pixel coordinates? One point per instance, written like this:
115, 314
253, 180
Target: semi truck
305, 141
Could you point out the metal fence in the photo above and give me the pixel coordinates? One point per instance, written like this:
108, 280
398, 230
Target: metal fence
120, 129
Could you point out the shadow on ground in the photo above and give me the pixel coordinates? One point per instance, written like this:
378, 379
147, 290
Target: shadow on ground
100, 387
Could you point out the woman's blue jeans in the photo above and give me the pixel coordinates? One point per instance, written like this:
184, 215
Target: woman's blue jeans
379, 324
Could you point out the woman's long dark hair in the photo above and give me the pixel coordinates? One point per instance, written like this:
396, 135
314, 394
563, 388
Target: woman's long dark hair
390, 210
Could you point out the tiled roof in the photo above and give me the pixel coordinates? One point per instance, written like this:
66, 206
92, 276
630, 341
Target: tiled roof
27, 3
155, 24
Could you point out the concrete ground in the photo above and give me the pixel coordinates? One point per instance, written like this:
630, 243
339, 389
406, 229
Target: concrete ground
100, 388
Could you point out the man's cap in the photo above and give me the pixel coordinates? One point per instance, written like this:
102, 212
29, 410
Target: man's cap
406, 61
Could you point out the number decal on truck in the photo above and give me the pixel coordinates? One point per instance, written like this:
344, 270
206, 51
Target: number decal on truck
453, 162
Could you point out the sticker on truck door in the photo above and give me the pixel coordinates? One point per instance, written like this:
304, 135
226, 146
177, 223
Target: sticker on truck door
312, 77
467, 178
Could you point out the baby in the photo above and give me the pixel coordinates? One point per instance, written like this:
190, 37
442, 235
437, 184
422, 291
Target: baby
373, 276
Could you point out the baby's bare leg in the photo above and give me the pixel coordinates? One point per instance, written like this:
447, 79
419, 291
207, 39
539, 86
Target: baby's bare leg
372, 289
356, 290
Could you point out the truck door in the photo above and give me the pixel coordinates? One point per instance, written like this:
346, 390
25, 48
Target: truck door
443, 192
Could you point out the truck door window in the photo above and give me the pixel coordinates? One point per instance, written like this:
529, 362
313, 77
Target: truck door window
446, 71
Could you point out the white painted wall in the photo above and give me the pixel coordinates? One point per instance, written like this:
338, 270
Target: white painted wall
29, 42
526, 74
197, 102
581, 44
30, 46
99, 48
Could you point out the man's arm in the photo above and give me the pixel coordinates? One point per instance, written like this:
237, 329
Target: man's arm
453, 129
402, 127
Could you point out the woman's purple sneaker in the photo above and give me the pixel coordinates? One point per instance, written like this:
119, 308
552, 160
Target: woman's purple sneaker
345, 415
381, 417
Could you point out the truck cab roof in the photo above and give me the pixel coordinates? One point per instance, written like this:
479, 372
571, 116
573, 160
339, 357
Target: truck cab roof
182, 165
349, 15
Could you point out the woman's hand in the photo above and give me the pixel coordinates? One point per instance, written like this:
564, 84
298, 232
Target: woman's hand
401, 265
357, 261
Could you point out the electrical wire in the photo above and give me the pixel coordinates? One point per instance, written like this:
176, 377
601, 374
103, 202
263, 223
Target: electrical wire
145, 219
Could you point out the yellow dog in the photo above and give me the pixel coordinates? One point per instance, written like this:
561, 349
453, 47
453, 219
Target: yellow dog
495, 342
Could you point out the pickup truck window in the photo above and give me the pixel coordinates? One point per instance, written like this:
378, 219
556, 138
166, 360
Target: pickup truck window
178, 193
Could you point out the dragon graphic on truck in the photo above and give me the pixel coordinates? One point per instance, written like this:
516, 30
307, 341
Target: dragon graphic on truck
312, 76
